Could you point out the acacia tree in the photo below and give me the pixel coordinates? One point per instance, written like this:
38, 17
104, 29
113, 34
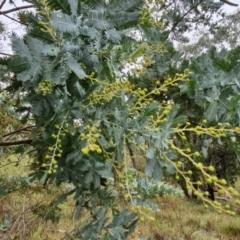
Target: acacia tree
87, 114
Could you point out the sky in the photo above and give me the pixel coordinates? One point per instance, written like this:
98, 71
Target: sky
13, 26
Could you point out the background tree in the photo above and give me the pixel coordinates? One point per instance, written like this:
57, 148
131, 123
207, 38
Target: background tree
224, 35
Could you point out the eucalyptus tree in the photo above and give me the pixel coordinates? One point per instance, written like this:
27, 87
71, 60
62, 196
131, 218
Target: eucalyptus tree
87, 113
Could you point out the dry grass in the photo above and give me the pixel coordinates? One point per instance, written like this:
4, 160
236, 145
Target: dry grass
178, 218
184, 219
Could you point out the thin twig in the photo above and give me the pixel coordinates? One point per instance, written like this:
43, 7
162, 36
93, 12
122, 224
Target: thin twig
13, 19
223, 199
1, 166
17, 220
6, 54
17, 131
183, 16
16, 9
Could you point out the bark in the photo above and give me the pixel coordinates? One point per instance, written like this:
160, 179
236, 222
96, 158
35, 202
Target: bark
25, 141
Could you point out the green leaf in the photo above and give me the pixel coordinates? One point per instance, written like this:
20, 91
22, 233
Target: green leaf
19, 64
44, 177
35, 70
117, 114
35, 46
104, 174
149, 168
20, 48
80, 89
96, 181
96, 19
179, 120
89, 177
150, 153
96, 4
63, 23
50, 50
80, 204
152, 109
23, 76
75, 67
59, 5
158, 171
73, 6
211, 111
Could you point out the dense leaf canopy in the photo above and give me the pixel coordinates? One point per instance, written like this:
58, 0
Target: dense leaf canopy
87, 115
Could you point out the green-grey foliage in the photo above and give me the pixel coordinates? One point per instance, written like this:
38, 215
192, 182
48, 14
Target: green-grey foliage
86, 112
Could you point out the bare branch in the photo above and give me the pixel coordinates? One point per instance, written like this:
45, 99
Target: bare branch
229, 3
16, 9
5, 15
3, 2
2, 166
26, 141
5, 54
17, 131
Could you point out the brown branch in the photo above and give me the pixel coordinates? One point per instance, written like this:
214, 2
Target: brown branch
223, 199
229, 3
15, 9
6, 54
132, 156
25, 141
17, 131
3, 2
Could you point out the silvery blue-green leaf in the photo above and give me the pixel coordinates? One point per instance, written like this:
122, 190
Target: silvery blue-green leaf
150, 153
19, 64
35, 70
117, 114
152, 109
24, 76
89, 177
35, 46
63, 22
50, 50
75, 67
96, 180
105, 174
80, 89
99, 165
179, 120
44, 177
20, 48
211, 111
74, 6
149, 167
86, 166
157, 171
205, 151
79, 208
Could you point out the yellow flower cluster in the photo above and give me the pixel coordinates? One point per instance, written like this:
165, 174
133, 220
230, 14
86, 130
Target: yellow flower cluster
45, 87
46, 12
206, 176
107, 91
55, 151
92, 135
